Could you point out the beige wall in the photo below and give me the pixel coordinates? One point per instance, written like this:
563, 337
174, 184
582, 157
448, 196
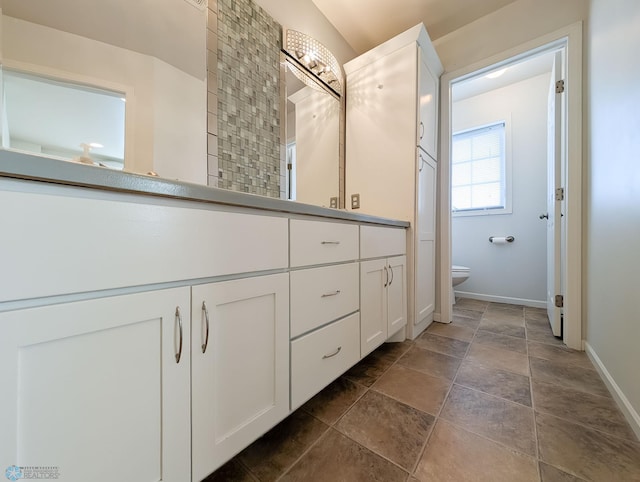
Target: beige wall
513, 25
612, 288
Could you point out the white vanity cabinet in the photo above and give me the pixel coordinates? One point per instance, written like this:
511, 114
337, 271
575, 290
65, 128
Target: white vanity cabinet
391, 123
99, 387
383, 285
240, 365
325, 318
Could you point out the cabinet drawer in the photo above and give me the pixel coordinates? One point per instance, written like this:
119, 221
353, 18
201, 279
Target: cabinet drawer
376, 242
317, 242
322, 356
320, 295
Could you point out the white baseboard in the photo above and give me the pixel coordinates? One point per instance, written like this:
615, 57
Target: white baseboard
623, 402
502, 299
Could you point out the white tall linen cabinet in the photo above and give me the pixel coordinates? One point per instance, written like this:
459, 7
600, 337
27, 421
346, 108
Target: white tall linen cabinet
392, 151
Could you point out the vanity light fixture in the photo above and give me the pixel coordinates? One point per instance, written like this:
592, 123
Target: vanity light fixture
309, 54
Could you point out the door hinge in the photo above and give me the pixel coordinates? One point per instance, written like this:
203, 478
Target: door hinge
560, 194
559, 301
559, 86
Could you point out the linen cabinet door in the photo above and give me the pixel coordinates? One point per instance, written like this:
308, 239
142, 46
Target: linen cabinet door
98, 389
425, 232
428, 108
240, 365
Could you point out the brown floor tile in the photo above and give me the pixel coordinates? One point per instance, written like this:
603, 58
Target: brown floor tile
466, 322
232, 470
549, 473
332, 402
504, 342
454, 454
542, 334
442, 344
470, 304
505, 422
496, 326
388, 427
593, 411
489, 357
568, 376
462, 313
450, 330
336, 458
269, 456
493, 381
587, 453
505, 317
537, 323
431, 363
393, 350
371, 367
535, 314
505, 308
560, 354
414, 388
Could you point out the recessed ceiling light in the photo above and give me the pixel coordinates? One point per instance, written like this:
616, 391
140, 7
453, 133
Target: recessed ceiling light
496, 74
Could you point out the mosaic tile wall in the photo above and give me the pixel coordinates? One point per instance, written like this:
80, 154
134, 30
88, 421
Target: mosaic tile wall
212, 94
248, 99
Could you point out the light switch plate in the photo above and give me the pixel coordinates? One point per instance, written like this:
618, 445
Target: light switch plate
355, 201
333, 202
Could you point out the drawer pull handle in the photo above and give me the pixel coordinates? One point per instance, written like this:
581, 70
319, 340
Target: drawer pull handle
386, 272
179, 320
326, 295
206, 333
391, 269
330, 242
332, 354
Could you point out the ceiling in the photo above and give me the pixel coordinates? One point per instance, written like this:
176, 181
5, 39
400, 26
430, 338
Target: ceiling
367, 23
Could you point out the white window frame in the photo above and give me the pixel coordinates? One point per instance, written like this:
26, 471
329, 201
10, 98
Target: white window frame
507, 209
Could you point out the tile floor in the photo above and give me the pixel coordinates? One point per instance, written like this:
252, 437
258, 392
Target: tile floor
492, 397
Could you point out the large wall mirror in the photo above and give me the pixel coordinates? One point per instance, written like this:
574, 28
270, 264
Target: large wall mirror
314, 121
117, 83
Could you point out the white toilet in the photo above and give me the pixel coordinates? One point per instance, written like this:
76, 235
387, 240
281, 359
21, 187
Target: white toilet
459, 274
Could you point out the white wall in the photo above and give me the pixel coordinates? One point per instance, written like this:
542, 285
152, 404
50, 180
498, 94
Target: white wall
146, 80
612, 237
513, 25
512, 272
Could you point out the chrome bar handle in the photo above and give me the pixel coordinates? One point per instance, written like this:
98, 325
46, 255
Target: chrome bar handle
206, 333
421, 129
391, 269
386, 271
324, 357
179, 319
326, 295
330, 242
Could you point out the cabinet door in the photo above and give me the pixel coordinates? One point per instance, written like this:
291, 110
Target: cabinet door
428, 109
95, 389
373, 304
425, 232
396, 294
240, 383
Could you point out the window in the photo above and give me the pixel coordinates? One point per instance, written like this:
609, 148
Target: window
478, 171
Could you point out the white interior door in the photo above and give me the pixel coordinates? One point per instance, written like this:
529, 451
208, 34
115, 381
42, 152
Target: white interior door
554, 183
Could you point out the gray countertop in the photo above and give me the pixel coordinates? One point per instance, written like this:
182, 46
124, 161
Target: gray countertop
25, 166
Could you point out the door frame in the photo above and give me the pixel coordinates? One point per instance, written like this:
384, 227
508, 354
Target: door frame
570, 38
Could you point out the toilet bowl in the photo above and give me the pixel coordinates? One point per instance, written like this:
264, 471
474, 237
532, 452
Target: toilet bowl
459, 274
